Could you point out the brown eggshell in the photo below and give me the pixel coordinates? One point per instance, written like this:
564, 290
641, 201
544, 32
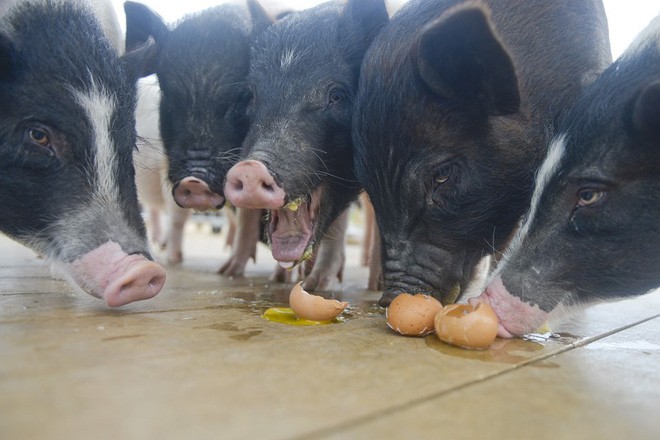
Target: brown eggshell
412, 315
467, 326
314, 307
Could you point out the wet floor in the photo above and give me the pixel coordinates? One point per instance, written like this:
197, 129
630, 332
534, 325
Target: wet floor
200, 361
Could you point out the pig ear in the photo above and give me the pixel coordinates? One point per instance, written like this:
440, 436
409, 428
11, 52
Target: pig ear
7, 58
366, 16
360, 23
145, 32
646, 112
260, 18
459, 57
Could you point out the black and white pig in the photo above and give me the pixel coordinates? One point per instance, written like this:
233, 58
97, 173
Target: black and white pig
299, 162
202, 64
593, 229
67, 134
456, 103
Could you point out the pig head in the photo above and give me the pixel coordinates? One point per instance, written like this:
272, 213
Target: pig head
592, 232
67, 134
201, 66
299, 161
456, 103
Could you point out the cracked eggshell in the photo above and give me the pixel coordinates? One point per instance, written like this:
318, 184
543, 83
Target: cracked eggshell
467, 326
314, 307
412, 315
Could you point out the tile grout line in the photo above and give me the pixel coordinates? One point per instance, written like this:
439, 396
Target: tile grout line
421, 400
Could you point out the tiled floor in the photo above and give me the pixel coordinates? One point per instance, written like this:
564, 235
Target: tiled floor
199, 361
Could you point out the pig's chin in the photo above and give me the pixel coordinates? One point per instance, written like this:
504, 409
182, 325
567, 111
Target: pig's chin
292, 230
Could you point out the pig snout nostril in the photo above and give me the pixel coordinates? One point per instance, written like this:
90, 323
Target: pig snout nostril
267, 187
156, 282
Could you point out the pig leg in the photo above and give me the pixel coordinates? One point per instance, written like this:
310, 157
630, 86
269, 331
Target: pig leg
369, 230
155, 225
375, 266
231, 228
176, 221
245, 245
282, 275
330, 258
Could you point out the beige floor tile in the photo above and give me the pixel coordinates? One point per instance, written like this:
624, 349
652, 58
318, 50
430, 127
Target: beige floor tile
199, 361
608, 389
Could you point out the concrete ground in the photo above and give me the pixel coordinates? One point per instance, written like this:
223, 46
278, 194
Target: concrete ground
199, 362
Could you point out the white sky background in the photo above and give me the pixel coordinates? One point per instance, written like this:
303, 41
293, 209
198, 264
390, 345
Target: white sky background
626, 17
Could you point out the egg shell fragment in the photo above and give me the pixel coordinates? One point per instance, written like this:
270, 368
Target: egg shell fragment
467, 326
412, 315
314, 307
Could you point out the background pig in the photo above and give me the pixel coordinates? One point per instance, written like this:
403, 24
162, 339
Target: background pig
455, 105
298, 149
67, 134
201, 65
593, 229
154, 192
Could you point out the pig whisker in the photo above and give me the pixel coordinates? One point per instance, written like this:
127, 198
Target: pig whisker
334, 176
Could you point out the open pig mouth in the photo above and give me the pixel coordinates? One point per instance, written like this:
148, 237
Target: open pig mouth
292, 229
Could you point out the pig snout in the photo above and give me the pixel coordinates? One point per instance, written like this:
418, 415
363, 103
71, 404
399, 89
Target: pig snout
516, 317
250, 185
194, 193
109, 273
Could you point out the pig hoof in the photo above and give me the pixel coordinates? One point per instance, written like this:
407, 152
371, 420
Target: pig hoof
386, 299
233, 268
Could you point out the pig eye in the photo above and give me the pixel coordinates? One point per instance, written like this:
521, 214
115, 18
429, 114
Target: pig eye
336, 95
441, 178
589, 197
39, 137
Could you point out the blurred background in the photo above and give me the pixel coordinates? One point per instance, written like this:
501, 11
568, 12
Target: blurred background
626, 18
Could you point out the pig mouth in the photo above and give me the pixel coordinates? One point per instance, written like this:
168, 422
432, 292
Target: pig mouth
292, 229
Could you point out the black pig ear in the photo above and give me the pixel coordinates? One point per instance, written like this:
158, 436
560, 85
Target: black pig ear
260, 18
646, 112
7, 58
142, 26
459, 57
366, 16
360, 23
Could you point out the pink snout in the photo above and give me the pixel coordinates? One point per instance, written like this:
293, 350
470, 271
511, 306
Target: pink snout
194, 193
250, 185
516, 317
142, 279
109, 273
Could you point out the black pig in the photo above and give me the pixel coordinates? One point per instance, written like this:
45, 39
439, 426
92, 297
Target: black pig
67, 134
593, 228
303, 73
201, 66
455, 105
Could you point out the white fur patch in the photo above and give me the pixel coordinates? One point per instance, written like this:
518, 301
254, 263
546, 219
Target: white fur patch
545, 173
100, 106
287, 58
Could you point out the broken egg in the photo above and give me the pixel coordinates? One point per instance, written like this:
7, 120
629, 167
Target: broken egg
412, 315
314, 307
467, 326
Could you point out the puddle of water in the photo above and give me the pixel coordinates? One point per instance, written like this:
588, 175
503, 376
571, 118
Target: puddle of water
246, 336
